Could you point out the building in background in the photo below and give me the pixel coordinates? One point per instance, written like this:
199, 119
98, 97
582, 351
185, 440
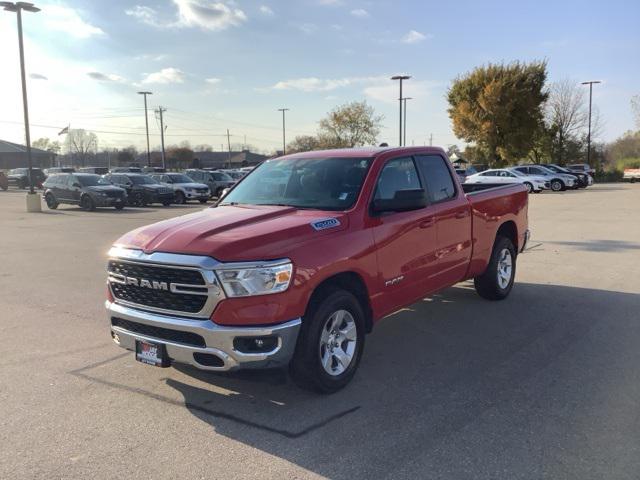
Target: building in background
14, 155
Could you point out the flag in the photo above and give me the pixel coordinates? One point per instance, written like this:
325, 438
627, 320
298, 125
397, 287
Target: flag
64, 130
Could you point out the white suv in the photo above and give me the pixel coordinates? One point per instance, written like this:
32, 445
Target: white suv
184, 188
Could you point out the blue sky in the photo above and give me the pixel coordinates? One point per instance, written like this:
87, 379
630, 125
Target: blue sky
231, 64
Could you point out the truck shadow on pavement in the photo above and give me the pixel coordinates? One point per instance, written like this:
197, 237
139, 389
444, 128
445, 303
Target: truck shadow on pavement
451, 375
598, 245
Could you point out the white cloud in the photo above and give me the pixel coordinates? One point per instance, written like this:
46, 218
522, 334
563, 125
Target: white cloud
414, 36
66, 19
265, 10
166, 75
330, 2
307, 28
360, 13
313, 84
105, 77
37, 76
212, 80
193, 13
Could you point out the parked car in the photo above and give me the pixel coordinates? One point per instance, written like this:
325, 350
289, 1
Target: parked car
4, 183
184, 188
126, 170
53, 170
19, 177
631, 174
582, 167
235, 174
583, 179
297, 272
504, 176
96, 170
142, 190
85, 189
557, 181
216, 181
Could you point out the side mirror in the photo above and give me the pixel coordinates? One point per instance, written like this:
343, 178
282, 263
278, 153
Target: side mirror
402, 201
77, 185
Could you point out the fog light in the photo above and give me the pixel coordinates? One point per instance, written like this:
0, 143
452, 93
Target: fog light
255, 344
115, 337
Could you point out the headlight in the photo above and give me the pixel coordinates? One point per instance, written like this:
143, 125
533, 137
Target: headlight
264, 279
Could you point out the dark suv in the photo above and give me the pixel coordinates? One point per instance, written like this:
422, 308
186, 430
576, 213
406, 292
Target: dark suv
84, 189
141, 189
216, 181
19, 177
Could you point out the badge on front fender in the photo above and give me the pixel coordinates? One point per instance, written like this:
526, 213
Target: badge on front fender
325, 223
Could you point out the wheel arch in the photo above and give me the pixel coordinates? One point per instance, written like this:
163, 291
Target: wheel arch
509, 230
351, 282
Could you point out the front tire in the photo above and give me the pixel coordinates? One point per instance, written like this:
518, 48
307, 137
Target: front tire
529, 187
330, 343
87, 203
557, 185
497, 280
180, 198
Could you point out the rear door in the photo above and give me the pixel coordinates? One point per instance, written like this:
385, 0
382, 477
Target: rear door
73, 191
452, 215
405, 241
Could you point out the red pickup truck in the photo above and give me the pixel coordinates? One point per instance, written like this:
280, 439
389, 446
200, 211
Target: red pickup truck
304, 255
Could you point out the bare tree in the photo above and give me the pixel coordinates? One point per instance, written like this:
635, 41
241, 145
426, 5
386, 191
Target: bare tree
81, 144
567, 115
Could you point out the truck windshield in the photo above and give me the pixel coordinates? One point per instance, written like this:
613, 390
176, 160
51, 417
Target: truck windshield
318, 183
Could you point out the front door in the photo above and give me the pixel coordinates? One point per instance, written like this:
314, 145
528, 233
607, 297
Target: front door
405, 241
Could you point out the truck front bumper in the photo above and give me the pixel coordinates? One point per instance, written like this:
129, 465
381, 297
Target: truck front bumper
203, 343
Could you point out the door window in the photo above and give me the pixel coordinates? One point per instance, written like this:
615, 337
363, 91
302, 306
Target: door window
397, 174
437, 176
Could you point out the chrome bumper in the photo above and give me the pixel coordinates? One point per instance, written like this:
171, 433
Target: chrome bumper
218, 339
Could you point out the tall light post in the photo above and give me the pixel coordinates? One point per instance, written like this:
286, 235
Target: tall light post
17, 8
590, 83
284, 142
146, 122
404, 101
401, 78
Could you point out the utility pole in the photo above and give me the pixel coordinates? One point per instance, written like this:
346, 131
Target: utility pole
229, 145
401, 78
431, 139
404, 101
160, 111
590, 83
17, 8
146, 122
284, 141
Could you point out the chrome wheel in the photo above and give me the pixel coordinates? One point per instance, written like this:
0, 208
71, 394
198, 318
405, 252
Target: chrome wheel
556, 185
505, 268
338, 342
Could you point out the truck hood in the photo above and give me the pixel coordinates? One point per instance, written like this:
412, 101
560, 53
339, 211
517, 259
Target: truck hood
236, 233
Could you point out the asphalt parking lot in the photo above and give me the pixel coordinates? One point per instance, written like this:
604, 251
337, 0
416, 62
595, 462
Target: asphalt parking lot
543, 385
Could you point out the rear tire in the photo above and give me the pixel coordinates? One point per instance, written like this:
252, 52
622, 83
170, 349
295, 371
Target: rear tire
330, 342
497, 280
51, 202
119, 206
179, 198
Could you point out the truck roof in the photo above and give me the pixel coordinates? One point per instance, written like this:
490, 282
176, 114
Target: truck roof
363, 152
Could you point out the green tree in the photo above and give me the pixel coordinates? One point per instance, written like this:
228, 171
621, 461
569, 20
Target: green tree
499, 107
354, 124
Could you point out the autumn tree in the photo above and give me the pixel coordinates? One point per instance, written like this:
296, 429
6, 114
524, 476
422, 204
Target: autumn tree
45, 143
305, 143
499, 107
81, 144
350, 125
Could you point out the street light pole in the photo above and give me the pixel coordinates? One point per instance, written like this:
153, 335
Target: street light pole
404, 101
284, 141
590, 83
401, 78
146, 121
17, 8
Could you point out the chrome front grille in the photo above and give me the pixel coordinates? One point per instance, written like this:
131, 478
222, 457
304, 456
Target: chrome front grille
148, 284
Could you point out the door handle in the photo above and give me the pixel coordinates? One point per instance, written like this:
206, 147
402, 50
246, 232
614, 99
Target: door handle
427, 223
461, 214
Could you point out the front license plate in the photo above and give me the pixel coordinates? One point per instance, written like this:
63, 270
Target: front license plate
152, 353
